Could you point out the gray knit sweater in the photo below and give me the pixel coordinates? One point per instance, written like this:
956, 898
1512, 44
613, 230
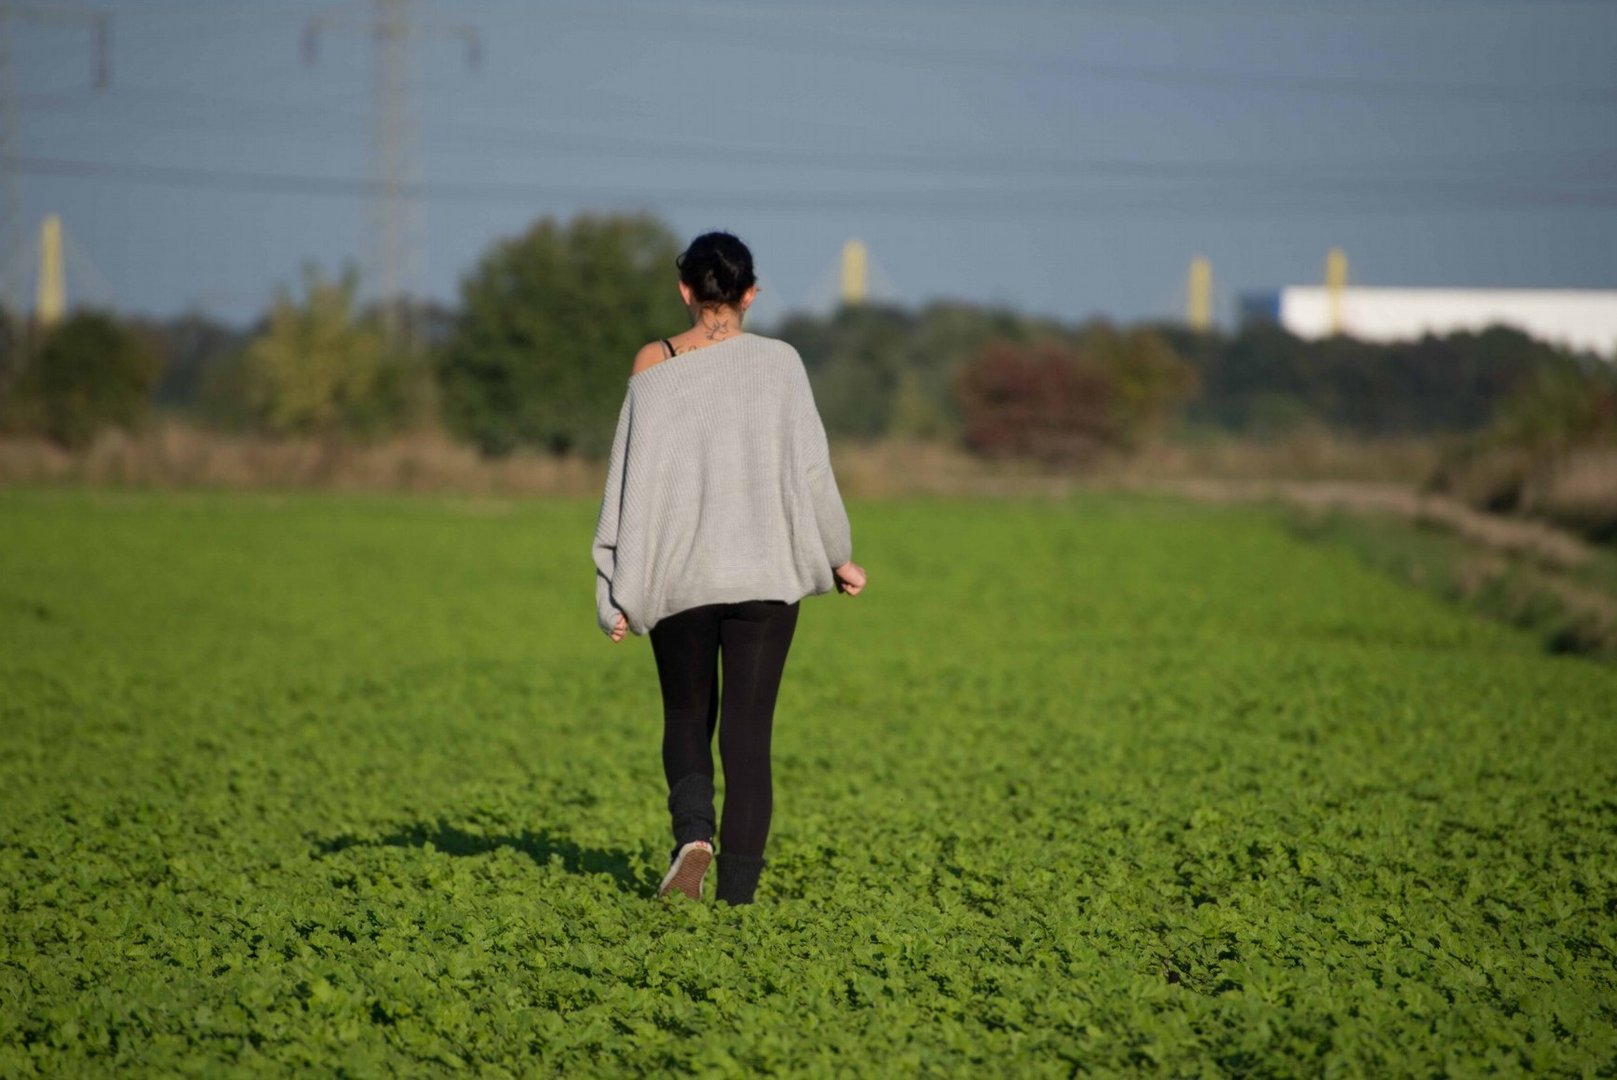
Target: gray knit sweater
719, 487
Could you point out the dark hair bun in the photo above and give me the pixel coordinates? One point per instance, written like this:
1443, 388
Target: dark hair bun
718, 269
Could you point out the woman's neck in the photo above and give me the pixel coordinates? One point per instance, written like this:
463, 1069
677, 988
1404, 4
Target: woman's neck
714, 324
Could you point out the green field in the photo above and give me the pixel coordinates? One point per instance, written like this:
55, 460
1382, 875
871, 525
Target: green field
351, 785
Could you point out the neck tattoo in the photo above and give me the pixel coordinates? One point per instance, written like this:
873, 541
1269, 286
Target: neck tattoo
716, 327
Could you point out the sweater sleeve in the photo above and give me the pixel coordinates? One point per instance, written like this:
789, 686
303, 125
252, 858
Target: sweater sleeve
824, 496
605, 545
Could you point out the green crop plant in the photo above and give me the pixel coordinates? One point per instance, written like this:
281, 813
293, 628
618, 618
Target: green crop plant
342, 785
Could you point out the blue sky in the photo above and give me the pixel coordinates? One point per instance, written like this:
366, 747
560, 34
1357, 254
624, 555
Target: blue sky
1064, 158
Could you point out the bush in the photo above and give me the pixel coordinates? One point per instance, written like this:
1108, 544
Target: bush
1065, 404
1150, 383
1044, 401
1265, 381
318, 367
1551, 452
881, 369
91, 372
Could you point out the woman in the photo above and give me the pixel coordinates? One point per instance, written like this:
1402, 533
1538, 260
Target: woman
720, 514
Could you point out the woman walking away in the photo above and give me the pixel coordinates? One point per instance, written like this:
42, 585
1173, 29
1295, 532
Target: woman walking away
720, 514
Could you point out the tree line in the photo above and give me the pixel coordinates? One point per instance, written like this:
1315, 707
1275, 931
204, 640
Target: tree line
536, 351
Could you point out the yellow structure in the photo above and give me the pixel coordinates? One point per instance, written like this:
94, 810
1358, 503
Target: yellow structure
1200, 309
1336, 276
855, 272
51, 302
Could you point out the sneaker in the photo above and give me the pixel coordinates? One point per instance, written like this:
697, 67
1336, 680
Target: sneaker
687, 870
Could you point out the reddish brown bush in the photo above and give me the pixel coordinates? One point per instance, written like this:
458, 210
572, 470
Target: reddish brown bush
1044, 401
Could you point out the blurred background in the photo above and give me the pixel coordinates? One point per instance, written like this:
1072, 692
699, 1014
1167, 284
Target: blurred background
407, 245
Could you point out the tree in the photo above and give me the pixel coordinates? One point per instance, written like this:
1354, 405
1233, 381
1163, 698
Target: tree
11, 353
1559, 409
317, 368
193, 345
1045, 401
857, 367
915, 415
550, 322
1151, 383
1265, 380
91, 372
882, 369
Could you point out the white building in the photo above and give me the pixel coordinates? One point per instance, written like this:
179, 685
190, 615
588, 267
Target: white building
1581, 319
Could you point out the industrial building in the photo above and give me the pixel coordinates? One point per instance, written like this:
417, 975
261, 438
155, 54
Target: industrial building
1579, 319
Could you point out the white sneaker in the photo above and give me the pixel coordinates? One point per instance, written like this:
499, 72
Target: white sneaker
687, 870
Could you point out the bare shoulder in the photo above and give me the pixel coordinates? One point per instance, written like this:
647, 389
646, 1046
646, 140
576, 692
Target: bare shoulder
649, 355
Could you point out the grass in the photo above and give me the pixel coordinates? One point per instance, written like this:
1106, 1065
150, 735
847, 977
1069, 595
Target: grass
1570, 605
171, 453
353, 785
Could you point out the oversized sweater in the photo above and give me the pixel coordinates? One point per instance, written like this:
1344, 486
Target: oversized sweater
719, 487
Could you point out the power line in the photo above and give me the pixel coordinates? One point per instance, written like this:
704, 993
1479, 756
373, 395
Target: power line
992, 203
903, 47
908, 50
284, 118
1421, 91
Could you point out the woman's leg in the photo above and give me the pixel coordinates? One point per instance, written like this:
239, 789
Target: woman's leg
755, 637
686, 645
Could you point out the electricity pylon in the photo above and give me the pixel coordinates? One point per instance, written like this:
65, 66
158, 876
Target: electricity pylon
13, 265
396, 245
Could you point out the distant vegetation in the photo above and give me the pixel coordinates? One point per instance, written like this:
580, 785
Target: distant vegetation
90, 372
536, 351
1549, 451
1264, 380
319, 367
548, 324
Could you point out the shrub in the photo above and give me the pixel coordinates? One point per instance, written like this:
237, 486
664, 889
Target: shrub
91, 372
1045, 401
318, 367
1550, 452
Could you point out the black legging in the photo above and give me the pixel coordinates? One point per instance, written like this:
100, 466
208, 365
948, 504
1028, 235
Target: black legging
754, 636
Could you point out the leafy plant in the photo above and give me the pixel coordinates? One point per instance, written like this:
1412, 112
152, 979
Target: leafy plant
343, 785
318, 367
91, 372
1043, 401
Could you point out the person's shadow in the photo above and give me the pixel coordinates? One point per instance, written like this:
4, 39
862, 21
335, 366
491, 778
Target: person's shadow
542, 847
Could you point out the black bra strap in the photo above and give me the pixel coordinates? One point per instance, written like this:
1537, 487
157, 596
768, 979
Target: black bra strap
667, 345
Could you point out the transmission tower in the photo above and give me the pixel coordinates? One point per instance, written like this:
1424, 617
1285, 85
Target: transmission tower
396, 245
13, 265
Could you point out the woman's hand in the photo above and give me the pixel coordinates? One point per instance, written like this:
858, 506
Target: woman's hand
621, 628
850, 578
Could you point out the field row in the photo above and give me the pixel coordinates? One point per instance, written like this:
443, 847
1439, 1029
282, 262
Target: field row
354, 784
